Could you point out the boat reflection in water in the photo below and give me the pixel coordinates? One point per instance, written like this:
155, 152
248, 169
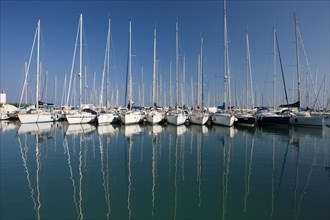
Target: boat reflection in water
80, 128
154, 129
39, 135
6, 125
178, 130
224, 131
198, 129
170, 172
108, 129
38, 128
130, 130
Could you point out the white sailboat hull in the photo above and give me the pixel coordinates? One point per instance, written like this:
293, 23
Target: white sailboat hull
299, 120
223, 119
131, 118
80, 118
176, 119
154, 117
198, 118
37, 118
106, 118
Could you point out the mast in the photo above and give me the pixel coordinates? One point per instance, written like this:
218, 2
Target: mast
25, 85
192, 91
80, 64
85, 86
225, 50
247, 70
164, 94
227, 57
38, 66
55, 91
198, 94
183, 88
171, 98
297, 56
202, 74
274, 76
130, 62
142, 86
128, 90
108, 65
177, 63
154, 70
160, 98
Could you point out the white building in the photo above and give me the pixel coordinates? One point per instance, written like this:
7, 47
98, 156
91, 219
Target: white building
2, 97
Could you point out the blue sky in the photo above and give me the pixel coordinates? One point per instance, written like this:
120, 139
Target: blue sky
59, 21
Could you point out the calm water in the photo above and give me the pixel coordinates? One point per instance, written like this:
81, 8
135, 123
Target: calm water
56, 171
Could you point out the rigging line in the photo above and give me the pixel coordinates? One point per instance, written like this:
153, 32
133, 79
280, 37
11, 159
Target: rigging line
28, 67
308, 67
318, 93
279, 54
72, 66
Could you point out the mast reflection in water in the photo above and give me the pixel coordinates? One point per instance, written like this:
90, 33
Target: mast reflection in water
60, 171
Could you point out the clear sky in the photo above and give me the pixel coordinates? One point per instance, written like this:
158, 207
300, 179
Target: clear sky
59, 22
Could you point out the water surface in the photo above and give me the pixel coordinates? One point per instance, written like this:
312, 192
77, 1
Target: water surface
61, 171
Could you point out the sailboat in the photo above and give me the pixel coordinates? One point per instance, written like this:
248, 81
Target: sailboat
154, 116
176, 116
130, 116
198, 116
272, 117
36, 115
224, 117
246, 118
106, 116
85, 114
302, 118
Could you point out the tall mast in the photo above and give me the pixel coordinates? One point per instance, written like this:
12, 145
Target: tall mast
80, 64
38, 66
247, 70
177, 63
171, 98
160, 94
225, 50
154, 70
130, 62
183, 88
85, 86
202, 74
297, 55
55, 91
198, 94
274, 76
142, 86
25, 85
108, 63
192, 91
